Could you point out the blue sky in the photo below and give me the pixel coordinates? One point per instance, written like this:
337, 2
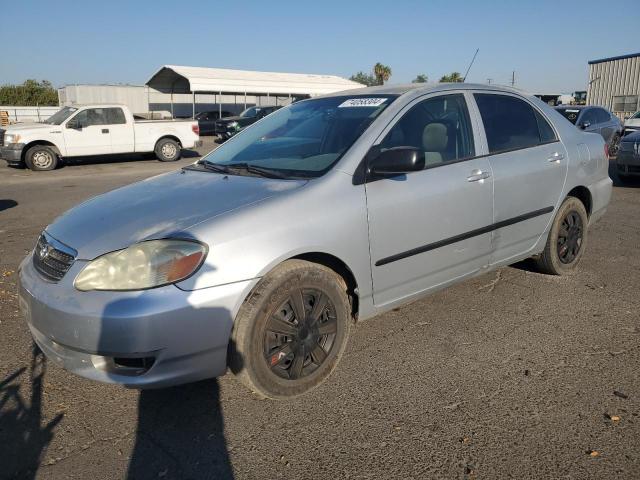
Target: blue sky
547, 43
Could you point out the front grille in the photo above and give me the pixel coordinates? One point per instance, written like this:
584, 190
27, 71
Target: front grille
52, 258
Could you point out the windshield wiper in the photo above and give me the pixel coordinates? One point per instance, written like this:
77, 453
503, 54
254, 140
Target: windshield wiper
262, 171
211, 166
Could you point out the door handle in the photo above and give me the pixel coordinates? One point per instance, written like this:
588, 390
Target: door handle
477, 176
555, 157
105, 130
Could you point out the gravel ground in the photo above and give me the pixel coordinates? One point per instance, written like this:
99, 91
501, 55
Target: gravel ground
511, 375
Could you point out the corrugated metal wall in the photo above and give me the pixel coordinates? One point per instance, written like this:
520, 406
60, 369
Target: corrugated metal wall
134, 96
142, 99
614, 78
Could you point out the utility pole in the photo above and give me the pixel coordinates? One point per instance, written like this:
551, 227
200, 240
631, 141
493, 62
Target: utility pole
513, 78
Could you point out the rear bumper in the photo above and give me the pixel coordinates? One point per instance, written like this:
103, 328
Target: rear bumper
12, 153
628, 163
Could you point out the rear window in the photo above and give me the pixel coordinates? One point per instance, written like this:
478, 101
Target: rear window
570, 114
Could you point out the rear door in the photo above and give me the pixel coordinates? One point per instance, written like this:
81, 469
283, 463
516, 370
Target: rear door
427, 228
529, 166
91, 135
122, 133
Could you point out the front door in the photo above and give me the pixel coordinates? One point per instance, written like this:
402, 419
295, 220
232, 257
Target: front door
90, 135
427, 228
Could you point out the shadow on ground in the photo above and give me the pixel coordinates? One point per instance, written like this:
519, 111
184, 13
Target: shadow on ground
24, 435
6, 204
180, 434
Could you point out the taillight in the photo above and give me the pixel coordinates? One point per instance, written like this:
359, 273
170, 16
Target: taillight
196, 129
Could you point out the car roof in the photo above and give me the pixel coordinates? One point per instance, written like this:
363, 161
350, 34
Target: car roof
426, 87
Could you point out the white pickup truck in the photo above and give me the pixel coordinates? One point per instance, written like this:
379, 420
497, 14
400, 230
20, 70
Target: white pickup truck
94, 130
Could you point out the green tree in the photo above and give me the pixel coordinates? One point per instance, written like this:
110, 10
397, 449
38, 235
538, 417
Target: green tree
30, 93
382, 73
364, 78
420, 78
453, 77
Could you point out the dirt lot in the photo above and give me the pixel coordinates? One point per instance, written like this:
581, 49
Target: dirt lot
510, 375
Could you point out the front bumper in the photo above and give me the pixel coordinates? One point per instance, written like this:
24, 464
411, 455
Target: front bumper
171, 336
12, 153
628, 162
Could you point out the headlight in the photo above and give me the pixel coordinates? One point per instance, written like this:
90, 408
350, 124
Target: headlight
232, 124
144, 265
11, 138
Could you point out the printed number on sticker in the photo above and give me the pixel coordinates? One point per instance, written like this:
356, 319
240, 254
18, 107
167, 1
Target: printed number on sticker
362, 102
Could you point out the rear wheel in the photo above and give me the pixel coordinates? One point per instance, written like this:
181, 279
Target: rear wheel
614, 146
41, 158
167, 150
567, 239
291, 332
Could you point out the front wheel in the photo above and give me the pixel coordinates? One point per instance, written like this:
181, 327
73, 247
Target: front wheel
168, 150
567, 239
41, 158
292, 330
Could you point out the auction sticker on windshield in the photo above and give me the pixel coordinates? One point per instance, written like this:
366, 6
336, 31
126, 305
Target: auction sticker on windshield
362, 102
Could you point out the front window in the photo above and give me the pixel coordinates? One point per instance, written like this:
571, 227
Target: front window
60, 116
304, 139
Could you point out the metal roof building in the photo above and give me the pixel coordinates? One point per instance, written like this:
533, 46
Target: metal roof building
614, 83
224, 83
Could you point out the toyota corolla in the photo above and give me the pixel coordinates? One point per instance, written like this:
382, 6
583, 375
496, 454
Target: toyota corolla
260, 256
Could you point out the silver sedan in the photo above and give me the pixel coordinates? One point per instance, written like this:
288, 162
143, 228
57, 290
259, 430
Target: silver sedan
260, 256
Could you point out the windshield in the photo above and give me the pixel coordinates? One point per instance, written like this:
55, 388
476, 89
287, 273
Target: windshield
60, 116
570, 114
250, 112
304, 139
636, 115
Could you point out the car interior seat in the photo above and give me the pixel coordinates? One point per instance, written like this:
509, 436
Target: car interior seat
435, 140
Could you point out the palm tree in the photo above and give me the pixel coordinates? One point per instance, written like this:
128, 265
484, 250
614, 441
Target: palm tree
452, 77
382, 73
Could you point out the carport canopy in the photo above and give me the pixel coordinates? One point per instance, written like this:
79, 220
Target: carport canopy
180, 79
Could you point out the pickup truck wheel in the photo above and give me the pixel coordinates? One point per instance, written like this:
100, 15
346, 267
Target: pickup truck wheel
41, 158
291, 331
567, 239
168, 150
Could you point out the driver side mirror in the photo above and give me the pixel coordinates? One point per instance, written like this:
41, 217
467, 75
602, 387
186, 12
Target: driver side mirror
397, 161
585, 125
74, 124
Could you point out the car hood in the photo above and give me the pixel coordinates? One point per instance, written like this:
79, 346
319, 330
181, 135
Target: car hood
159, 207
24, 127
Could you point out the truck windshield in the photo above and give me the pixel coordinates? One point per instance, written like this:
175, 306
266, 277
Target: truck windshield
570, 114
60, 116
303, 140
250, 112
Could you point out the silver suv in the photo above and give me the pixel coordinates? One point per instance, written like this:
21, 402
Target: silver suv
260, 256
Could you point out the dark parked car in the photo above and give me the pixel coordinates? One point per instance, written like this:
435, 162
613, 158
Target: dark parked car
207, 120
628, 159
596, 120
228, 127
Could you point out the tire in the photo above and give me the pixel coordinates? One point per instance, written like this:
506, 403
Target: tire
614, 146
270, 363
563, 251
41, 158
168, 150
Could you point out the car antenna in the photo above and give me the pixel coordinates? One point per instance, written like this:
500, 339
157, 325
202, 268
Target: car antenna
464, 79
